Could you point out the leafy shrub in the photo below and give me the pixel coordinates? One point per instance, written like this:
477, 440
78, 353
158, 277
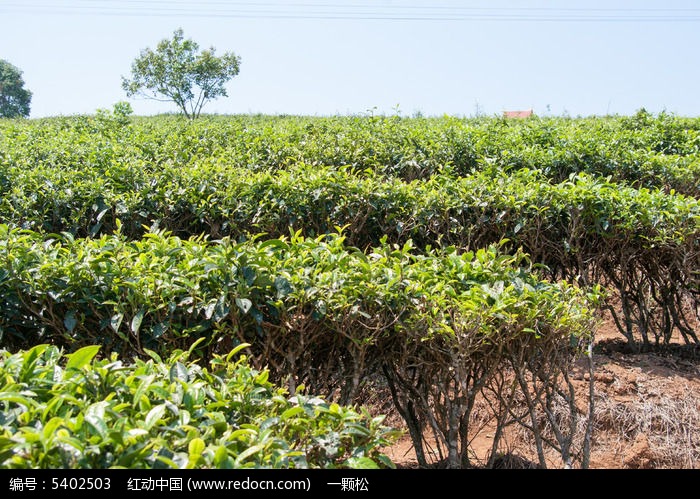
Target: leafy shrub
435, 326
595, 197
74, 411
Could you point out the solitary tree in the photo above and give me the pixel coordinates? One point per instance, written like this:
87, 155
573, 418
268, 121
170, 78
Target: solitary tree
14, 98
175, 71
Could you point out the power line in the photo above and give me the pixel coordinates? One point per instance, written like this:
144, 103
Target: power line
340, 11
393, 6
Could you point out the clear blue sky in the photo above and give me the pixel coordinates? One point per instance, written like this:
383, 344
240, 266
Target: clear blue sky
320, 57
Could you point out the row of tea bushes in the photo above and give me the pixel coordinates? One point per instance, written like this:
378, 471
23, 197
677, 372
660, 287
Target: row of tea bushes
642, 244
435, 326
642, 150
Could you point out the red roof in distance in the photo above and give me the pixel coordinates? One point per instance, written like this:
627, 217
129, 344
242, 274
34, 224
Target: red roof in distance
518, 114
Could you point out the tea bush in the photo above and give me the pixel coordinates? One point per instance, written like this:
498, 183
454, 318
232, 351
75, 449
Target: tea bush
76, 411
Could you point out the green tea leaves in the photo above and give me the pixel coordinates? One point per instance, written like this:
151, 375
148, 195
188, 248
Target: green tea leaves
140, 422
82, 357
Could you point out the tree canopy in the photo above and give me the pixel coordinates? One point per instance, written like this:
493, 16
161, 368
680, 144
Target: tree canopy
15, 100
177, 71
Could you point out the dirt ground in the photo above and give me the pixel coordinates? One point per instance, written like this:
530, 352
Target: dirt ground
647, 411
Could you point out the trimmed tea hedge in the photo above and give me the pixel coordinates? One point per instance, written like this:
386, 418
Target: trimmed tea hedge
436, 326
